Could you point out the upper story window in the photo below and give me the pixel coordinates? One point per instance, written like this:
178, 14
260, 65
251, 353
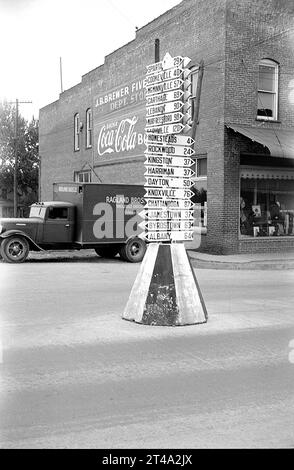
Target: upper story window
77, 132
268, 77
88, 128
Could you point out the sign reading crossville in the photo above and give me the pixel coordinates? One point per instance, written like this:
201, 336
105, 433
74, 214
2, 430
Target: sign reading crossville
168, 236
162, 160
169, 150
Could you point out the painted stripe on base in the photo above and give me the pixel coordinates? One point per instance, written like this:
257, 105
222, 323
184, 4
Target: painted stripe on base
136, 303
191, 309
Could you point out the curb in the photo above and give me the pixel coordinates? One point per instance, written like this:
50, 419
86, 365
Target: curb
241, 265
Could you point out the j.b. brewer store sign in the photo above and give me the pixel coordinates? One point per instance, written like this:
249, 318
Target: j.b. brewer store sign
119, 122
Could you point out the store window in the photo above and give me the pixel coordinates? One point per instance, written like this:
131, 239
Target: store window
77, 132
4, 194
89, 128
267, 204
82, 176
200, 191
268, 75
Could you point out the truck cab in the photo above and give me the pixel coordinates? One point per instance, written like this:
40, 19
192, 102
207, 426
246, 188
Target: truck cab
50, 225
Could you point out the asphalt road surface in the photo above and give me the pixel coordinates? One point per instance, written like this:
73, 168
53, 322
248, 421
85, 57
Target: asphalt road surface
75, 375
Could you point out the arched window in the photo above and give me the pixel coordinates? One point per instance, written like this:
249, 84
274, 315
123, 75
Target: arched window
268, 77
76, 132
88, 128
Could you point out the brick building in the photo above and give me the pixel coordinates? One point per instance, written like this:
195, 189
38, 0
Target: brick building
244, 149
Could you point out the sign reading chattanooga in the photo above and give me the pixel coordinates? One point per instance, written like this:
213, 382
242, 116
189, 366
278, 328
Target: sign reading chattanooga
119, 136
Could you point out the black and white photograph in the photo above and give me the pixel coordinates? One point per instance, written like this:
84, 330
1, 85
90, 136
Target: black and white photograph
146, 227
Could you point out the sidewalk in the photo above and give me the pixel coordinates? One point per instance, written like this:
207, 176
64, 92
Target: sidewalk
243, 261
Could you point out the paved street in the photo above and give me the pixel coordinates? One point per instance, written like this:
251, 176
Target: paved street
74, 374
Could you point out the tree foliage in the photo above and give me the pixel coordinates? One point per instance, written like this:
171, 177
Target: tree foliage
28, 155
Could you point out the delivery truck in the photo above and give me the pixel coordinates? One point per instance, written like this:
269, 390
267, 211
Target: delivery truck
103, 217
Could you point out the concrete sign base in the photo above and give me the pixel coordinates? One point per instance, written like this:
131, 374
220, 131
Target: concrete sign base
166, 291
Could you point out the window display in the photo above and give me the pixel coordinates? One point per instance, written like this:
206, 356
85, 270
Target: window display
266, 207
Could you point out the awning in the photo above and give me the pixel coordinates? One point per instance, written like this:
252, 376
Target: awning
279, 142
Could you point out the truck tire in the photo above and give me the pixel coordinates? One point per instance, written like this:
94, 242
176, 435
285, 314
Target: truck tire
107, 251
14, 249
133, 251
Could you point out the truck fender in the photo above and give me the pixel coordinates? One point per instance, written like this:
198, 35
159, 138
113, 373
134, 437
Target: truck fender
32, 243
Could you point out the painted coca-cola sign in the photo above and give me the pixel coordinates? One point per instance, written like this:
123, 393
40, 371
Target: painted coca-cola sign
122, 136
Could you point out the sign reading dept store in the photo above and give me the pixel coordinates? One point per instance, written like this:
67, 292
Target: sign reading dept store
119, 121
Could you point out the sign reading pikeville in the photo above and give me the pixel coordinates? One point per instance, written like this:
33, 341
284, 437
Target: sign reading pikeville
168, 213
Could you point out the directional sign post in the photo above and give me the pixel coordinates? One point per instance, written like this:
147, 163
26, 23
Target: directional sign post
166, 291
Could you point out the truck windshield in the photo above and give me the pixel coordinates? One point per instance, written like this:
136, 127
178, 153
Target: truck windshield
37, 211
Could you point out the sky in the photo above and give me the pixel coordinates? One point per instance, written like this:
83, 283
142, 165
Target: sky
34, 34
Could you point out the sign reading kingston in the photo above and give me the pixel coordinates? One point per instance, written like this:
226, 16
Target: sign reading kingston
167, 215
161, 160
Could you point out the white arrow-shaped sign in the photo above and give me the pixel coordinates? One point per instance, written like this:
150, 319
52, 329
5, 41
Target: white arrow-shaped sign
164, 119
162, 160
165, 75
175, 150
167, 225
165, 97
164, 108
170, 214
168, 236
169, 171
168, 193
168, 62
164, 86
168, 204
161, 182
168, 129
184, 140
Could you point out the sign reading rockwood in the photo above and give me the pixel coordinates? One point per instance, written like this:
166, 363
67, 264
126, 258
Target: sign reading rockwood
168, 216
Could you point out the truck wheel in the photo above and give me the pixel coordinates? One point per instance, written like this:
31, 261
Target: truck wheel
107, 251
133, 251
14, 249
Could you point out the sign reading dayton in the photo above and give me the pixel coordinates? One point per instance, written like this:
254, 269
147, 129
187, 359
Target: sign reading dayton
119, 136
